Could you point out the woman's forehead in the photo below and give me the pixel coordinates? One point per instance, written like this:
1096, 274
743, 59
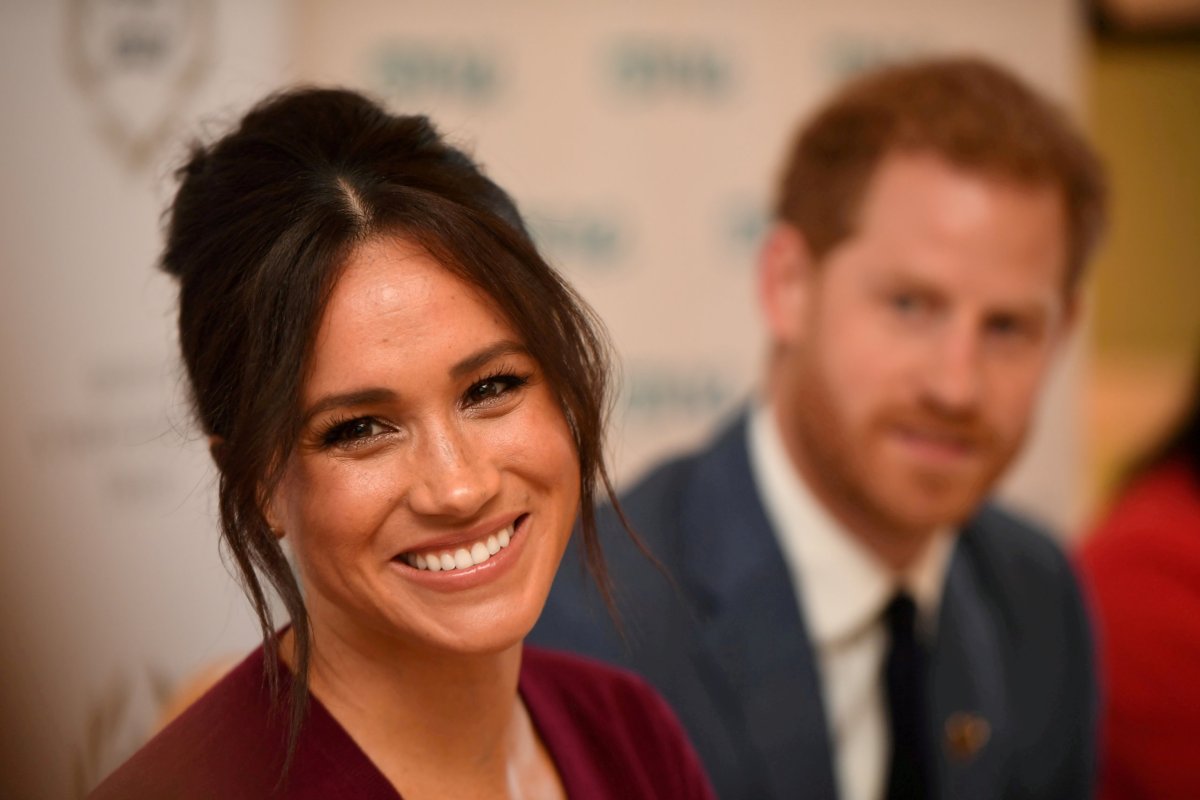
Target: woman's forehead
394, 309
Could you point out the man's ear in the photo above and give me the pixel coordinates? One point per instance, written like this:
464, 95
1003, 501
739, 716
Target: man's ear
785, 277
1072, 312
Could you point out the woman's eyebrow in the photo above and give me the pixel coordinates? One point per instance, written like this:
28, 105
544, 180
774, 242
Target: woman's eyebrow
479, 359
360, 397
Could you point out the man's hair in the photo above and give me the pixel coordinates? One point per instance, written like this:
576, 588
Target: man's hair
970, 112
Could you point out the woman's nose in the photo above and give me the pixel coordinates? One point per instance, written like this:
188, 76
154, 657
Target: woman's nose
453, 477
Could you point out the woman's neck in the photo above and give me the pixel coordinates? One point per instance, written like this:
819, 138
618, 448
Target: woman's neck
439, 724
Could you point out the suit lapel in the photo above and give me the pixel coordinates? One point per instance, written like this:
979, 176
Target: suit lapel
968, 685
754, 641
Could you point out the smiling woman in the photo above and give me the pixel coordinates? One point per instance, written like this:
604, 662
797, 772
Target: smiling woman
432, 434
399, 389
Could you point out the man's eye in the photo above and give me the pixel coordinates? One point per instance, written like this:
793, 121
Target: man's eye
1003, 325
1007, 326
907, 303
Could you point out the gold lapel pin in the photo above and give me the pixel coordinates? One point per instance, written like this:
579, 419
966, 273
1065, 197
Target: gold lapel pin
966, 735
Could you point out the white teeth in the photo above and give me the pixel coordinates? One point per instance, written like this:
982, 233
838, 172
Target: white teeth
462, 557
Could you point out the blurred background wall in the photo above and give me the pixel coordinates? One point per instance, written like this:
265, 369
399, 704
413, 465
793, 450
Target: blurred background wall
640, 139
1144, 113
111, 586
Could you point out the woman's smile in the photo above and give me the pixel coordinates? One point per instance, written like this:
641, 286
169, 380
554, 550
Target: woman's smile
464, 562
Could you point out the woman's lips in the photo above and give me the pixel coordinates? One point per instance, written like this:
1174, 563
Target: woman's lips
464, 555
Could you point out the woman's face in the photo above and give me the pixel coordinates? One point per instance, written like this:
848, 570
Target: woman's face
436, 481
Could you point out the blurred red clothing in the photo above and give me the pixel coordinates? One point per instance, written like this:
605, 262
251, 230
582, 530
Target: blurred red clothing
1142, 568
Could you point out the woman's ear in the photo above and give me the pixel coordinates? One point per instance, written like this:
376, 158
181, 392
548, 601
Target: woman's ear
785, 276
271, 513
216, 447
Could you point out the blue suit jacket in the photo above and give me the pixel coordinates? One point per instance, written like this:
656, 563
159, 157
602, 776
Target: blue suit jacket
724, 640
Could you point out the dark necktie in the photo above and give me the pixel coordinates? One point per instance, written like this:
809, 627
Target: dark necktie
904, 676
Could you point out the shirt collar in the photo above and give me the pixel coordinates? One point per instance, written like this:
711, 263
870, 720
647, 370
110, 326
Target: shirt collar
843, 586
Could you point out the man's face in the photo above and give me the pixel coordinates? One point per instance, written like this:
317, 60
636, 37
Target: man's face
909, 358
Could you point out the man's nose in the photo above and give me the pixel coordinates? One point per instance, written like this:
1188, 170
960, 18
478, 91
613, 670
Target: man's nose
454, 476
954, 373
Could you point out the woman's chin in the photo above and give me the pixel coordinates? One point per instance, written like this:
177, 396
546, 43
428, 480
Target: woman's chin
481, 635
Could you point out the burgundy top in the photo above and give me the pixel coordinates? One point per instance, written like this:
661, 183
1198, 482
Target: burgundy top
607, 731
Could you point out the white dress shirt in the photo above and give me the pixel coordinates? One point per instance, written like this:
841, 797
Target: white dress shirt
843, 591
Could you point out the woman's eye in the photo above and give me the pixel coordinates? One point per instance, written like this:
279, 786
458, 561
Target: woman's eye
354, 430
490, 389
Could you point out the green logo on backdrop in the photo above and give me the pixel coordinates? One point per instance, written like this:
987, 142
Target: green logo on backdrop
656, 391
407, 70
846, 56
659, 69
590, 240
746, 224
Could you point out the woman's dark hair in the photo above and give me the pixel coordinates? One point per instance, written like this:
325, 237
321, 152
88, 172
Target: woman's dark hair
1182, 443
259, 230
